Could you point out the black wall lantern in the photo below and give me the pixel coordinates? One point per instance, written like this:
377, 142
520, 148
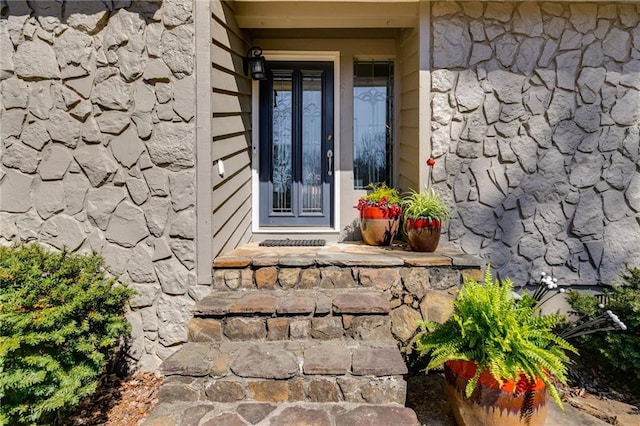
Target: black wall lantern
254, 63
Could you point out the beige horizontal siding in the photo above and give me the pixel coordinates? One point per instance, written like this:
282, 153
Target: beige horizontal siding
231, 145
409, 151
232, 166
240, 226
225, 82
231, 131
233, 210
231, 124
411, 64
229, 187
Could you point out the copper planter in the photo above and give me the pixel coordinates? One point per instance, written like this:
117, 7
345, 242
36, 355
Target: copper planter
512, 404
378, 227
423, 233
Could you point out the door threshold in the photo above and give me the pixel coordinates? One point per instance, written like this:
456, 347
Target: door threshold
309, 231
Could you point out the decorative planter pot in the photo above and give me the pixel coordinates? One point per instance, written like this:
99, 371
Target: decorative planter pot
515, 403
378, 226
423, 233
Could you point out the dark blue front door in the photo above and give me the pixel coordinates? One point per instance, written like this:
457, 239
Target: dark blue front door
296, 145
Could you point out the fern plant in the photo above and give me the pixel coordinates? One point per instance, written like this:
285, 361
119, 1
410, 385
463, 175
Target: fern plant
501, 337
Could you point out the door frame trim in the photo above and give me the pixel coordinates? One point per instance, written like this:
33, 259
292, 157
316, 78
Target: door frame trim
273, 55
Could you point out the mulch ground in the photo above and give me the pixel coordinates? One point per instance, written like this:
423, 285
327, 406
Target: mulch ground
119, 402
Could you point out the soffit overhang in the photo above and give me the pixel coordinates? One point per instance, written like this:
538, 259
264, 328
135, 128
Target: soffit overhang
264, 14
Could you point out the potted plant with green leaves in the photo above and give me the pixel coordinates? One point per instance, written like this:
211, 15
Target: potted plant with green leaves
424, 213
380, 213
500, 357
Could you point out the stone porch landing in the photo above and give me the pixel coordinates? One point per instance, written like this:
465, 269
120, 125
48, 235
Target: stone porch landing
350, 253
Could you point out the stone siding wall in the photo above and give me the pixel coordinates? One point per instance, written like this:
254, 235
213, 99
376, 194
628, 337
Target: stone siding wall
535, 114
98, 137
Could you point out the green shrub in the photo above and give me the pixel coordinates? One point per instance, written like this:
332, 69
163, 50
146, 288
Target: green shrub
616, 352
60, 319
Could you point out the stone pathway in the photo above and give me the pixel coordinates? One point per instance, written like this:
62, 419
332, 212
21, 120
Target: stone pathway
288, 414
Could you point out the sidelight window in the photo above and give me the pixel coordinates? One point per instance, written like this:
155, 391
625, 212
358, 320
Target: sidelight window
372, 122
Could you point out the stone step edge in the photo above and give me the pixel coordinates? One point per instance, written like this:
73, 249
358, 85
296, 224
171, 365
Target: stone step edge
270, 328
286, 359
270, 302
333, 389
281, 414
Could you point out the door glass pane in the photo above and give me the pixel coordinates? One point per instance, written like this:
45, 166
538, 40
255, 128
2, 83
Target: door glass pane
281, 166
311, 141
372, 122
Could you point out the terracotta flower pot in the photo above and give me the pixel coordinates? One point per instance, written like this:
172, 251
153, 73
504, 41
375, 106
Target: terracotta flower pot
378, 225
514, 403
423, 233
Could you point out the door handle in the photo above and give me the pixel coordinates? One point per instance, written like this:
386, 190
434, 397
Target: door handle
329, 162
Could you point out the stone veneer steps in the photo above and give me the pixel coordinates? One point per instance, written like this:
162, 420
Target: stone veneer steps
306, 336
321, 356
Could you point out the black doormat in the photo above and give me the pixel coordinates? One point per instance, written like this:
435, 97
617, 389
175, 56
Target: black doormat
292, 243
